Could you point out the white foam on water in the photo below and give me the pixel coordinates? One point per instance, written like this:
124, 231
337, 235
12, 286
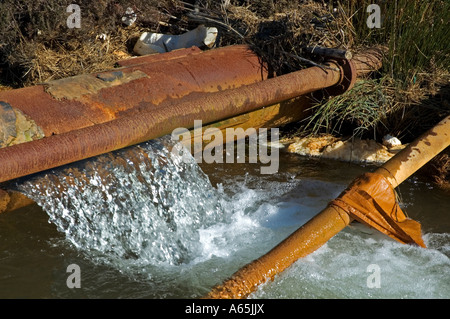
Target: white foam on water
345, 268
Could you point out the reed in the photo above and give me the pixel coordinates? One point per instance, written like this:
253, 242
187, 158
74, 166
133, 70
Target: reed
356, 112
415, 31
408, 95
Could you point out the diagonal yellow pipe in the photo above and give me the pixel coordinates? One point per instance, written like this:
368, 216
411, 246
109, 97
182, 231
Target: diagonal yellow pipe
329, 221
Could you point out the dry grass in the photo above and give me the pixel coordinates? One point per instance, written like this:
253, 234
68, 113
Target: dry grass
57, 59
38, 46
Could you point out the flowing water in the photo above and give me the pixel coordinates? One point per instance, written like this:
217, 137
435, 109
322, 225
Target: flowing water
142, 223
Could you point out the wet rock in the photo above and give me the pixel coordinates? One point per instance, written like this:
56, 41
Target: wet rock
352, 150
365, 151
7, 124
312, 146
16, 127
391, 141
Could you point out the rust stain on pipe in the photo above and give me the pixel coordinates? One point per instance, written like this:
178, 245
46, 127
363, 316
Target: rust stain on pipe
74, 88
51, 115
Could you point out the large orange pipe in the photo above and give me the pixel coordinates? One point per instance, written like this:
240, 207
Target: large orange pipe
73, 103
68, 104
301, 243
330, 221
56, 150
417, 154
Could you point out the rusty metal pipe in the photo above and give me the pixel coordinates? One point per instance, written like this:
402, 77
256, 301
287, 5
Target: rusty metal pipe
330, 221
52, 151
72, 103
269, 116
369, 60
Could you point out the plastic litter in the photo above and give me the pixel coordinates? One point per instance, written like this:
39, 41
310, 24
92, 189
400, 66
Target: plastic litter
391, 141
150, 43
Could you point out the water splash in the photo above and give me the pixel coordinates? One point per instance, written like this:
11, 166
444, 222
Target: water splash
141, 203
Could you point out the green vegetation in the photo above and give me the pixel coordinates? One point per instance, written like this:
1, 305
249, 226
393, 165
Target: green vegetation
416, 33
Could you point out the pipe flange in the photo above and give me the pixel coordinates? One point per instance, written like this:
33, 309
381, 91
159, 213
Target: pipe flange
348, 77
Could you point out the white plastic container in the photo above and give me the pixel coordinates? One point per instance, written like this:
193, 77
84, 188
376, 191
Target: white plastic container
150, 42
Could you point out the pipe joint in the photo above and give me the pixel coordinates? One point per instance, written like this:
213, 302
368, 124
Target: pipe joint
348, 75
